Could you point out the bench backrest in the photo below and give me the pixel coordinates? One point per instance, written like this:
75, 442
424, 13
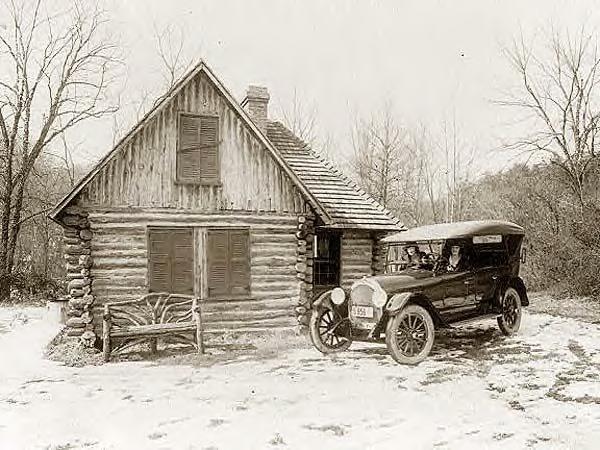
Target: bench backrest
152, 308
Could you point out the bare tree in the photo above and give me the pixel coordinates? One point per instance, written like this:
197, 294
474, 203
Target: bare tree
170, 45
56, 68
381, 156
559, 90
458, 163
301, 119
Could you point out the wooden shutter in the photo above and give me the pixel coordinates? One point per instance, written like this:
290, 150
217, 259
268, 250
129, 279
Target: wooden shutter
189, 149
159, 261
198, 149
239, 260
182, 261
209, 156
218, 257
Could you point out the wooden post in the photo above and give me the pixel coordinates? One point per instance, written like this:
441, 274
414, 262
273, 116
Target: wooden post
197, 313
153, 345
106, 324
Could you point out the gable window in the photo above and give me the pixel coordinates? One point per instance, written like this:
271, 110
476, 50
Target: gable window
198, 149
228, 258
171, 260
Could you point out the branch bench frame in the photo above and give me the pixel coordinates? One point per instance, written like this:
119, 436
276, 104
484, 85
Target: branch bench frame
171, 317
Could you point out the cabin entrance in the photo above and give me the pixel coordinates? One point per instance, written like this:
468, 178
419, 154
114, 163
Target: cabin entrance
326, 257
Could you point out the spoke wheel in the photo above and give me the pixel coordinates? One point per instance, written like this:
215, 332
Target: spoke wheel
329, 331
409, 335
510, 320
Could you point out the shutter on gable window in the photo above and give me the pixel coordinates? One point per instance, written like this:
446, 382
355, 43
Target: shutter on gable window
239, 262
209, 142
159, 261
182, 261
218, 257
189, 150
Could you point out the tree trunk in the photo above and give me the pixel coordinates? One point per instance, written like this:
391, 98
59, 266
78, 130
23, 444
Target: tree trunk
4, 238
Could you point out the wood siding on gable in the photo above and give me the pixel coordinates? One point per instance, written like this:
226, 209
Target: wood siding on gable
143, 173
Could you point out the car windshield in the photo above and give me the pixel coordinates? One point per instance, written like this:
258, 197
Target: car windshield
421, 255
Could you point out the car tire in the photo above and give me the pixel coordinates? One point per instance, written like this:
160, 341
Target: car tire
510, 320
409, 335
322, 320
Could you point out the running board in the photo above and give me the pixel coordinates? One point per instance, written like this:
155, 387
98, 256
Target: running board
474, 319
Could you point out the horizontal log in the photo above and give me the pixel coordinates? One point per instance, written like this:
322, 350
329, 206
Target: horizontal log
71, 241
287, 278
137, 227
153, 330
273, 248
152, 214
274, 260
258, 239
283, 269
117, 271
103, 252
265, 324
247, 305
239, 315
258, 287
116, 264
292, 295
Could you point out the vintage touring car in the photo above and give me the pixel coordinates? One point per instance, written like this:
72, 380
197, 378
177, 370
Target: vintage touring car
436, 276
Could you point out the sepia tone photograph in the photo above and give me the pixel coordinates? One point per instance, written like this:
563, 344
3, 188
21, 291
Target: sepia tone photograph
286, 224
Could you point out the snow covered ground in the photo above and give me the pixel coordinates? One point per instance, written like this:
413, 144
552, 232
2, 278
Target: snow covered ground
478, 390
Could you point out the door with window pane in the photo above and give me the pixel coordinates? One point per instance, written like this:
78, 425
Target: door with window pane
326, 260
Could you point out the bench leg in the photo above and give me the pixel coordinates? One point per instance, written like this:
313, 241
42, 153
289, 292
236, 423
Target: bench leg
106, 325
153, 345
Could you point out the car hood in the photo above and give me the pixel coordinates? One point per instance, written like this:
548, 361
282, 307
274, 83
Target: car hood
406, 280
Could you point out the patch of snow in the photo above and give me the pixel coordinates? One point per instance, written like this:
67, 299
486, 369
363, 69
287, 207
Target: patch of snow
477, 390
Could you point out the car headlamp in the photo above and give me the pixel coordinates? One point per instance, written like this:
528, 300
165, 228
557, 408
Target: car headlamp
379, 297
338, 296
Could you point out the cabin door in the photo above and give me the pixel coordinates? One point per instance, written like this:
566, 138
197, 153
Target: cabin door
326, 260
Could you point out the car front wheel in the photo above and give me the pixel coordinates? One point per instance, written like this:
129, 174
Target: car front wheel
409, 335
329, 331
510, 320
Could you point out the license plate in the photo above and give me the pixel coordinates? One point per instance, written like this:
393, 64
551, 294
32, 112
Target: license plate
362, 311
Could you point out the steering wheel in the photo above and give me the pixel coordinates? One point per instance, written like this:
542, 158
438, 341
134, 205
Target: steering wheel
442, 261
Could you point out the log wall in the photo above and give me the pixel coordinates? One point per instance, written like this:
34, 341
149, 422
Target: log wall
356, 257
142, 173
120, 269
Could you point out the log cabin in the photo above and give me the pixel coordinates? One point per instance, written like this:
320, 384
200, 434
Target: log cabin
207, 196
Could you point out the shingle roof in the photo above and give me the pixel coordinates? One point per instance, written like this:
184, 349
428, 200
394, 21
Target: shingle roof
346, 204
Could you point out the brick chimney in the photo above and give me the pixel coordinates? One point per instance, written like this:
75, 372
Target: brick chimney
257, 103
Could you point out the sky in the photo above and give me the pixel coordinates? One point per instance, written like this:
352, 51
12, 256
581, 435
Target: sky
430, 59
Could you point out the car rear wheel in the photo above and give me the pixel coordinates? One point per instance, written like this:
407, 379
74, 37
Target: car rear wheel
409, 335
510, 320
329, 331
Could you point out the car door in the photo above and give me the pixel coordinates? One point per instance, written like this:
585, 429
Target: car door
485, 283
459, 293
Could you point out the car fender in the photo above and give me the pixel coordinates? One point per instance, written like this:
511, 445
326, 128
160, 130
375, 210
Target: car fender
518, 284
399, 301
324, 301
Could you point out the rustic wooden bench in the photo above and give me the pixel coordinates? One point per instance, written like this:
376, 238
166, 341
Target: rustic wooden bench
173, 318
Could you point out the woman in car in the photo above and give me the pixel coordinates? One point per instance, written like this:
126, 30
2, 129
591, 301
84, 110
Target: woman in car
414, 255
457, 261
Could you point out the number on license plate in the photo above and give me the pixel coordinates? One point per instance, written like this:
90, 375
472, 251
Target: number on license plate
362, 311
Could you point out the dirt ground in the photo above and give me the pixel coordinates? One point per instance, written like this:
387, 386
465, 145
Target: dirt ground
478, 389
